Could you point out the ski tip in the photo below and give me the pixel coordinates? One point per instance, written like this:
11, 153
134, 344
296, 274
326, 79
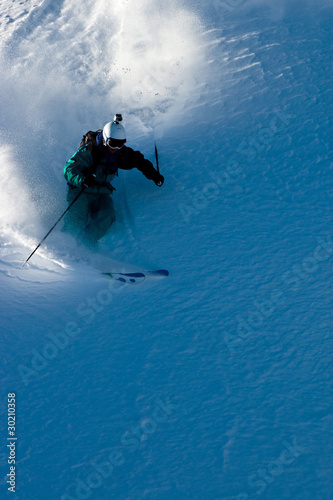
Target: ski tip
162, 272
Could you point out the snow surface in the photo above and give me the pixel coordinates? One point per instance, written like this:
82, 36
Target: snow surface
215, 382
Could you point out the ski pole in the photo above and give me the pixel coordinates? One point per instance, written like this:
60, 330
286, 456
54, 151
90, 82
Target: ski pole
54, 225
156, 156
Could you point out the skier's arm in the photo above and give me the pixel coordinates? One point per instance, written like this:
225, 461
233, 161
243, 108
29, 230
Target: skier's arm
135, 159
77, 167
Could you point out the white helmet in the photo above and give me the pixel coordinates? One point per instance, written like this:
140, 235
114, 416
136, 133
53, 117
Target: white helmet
114, 130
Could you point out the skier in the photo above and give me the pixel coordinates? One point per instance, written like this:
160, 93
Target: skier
93, 166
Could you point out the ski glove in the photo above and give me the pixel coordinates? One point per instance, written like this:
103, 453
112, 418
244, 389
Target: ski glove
89, 181
159, 180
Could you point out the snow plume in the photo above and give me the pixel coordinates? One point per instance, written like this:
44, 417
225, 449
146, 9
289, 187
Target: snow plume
159, 57
96, 58
15, 208
69, 65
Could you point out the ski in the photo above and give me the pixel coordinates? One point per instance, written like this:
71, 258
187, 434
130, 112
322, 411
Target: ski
136, 277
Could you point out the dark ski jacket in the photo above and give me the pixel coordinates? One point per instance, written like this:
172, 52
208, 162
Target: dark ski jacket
92, 159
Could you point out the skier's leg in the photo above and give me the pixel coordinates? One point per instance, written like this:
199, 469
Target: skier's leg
101, 217
75, 220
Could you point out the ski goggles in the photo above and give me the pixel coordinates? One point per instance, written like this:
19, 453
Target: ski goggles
115, 143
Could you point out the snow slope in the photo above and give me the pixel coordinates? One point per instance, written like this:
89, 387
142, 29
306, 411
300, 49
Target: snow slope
215, 382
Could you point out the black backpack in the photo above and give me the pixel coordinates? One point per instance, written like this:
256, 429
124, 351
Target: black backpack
90, 138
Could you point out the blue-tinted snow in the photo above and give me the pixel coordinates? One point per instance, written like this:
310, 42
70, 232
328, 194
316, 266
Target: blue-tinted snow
216, 382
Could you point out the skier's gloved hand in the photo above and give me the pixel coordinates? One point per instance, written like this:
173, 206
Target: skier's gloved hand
89, 181
159, 179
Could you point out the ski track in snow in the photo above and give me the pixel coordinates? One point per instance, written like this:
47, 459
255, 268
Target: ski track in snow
236, 341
